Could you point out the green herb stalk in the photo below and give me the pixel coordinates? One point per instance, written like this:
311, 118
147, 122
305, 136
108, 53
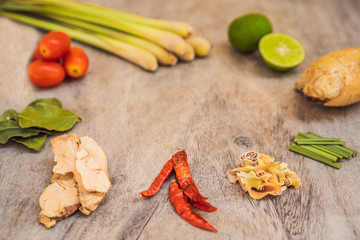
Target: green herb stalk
170, 41
164, 57
127, 51
325, 150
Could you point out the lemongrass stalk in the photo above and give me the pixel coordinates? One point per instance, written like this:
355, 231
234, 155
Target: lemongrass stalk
168, 40
201, 45
19, 7
129, 52
181, 28
164, 57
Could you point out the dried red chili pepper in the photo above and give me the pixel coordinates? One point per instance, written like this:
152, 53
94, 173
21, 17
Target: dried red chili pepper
159, 180
203, 206
184, 178
183, 208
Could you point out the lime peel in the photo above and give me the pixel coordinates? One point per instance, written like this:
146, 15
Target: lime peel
245, 32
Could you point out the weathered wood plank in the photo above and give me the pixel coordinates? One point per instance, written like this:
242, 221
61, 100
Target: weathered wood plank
215, 108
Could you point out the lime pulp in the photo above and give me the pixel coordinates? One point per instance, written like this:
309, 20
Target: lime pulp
281, 51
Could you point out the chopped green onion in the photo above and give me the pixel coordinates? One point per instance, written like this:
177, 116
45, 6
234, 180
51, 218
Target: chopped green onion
319, 140
297, 149
318, 143
325, 150
321, 153
352, 152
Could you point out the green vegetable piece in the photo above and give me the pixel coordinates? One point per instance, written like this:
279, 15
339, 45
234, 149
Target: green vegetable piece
319, 143
12, 131
304, 152
319, 152
47, 116
35, 142
9, 114
318, 140
51, 101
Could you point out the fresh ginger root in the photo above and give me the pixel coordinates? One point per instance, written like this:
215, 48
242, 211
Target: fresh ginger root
334, 79
79, 181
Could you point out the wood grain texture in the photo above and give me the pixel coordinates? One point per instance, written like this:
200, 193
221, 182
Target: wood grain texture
215, 108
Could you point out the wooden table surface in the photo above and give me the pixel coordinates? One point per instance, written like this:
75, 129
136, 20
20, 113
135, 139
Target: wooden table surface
215, 108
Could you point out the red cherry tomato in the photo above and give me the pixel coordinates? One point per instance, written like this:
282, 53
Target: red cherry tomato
36, 55
76, 63
54, 45
46, 74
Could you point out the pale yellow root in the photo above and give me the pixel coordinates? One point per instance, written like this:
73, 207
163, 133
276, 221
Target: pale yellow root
201, 45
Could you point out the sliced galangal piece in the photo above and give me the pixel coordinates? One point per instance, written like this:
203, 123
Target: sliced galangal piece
58, 201
65, 148
91, 175
80, 179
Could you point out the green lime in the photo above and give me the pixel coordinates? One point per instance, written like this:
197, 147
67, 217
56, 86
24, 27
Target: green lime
245, 32
281, 52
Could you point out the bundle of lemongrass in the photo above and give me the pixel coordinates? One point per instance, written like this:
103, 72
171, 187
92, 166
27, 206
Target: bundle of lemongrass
141, 40
325, 150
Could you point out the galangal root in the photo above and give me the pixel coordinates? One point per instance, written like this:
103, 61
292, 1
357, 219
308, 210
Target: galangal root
259, 175
79, 181
334, 79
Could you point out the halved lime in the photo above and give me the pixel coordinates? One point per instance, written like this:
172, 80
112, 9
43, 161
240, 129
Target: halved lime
281, 51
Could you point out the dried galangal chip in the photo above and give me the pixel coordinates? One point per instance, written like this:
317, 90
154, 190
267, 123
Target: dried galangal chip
79, 181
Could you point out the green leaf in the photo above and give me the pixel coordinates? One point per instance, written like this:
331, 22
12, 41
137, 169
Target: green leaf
51, 101
8, 124
47, 116
9, 114
35, 142
8, 133
10, 128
